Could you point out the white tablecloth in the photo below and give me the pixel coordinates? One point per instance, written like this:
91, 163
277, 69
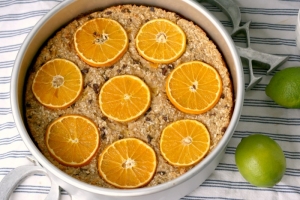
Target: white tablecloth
272, 31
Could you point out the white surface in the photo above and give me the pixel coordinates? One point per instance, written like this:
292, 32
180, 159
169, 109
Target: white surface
298, 31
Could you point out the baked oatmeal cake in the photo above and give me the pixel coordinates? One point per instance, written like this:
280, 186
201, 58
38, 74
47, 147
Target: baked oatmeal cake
161, 112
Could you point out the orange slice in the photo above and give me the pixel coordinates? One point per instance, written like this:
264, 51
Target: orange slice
72, 140
124, 98
160, 41
127, 163
184, 142
101, 42
57, 84
194, 87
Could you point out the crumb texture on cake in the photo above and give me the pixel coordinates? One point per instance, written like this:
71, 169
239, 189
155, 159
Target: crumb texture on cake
161, 112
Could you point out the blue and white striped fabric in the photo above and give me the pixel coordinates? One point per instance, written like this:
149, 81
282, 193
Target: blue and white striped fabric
272, 31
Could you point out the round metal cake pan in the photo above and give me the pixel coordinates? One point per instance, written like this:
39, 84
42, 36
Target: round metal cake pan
70, 9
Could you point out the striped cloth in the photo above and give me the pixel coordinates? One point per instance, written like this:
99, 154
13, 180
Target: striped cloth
272, 31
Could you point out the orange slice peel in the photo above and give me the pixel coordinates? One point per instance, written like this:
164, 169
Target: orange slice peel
184, 142
72, 140
194, 87
57, 84
127, 163
160, 41
124, 98
101, 42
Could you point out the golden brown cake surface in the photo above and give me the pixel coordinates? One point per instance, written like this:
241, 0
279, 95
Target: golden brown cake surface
161, 112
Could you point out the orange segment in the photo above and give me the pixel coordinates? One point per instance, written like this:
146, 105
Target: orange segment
72, 140
127, 163
124, 98
160, 41
57, 84
184, 142
194, 87
101, 42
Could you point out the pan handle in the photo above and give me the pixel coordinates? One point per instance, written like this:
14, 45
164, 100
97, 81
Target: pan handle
14, 177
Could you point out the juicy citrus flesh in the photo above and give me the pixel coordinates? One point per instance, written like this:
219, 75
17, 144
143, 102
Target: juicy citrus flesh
127, 163
58, 83
161, 41
72, 140
101, 42
260, 160
184, 142
194, 87
124, 98
284, 87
